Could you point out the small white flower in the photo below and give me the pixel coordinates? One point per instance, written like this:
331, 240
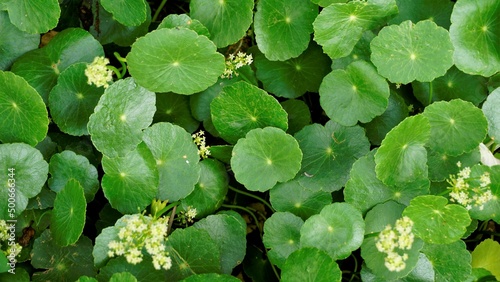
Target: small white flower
97, 73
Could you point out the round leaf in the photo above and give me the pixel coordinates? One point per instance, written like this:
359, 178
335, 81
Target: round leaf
208, 194
211, 277
176, 158
337, 230
408, 52
66, 166
62, 263
329, 153
420, 10
227, 20
283, 27
229, 234
485, 255
437, 222
242, 107
340, 26
282, 236
122, 113
18, 43
130, 182
491, 209
457, 127
73, 100
358, 93
193, 251
451, 262
173, 21
441, 165
310, 264
29, 171
174, 108
295, 198
474, 33
144, 270
492, 113
299, 114
33, 16
68, 215
264, 157
200, 102
25, 118
361, 51
177, 60
122, 277
402, 157
126, 12
294, 77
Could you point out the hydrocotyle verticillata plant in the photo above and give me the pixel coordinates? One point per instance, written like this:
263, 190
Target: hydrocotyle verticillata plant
204, 140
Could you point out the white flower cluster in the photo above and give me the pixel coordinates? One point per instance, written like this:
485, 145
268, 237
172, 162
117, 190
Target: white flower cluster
12, 250
400, 237
97, 73
199, 140
186, 217
464, 194
235, 62
4, 232
142, 232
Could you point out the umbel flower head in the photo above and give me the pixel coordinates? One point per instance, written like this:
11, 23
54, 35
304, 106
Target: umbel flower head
392, 241
142, 232
97, 73
235, 62
468, 191
10, 250
199, 140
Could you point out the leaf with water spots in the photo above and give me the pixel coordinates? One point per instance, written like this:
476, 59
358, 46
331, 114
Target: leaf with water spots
338, 230
457, 127
68, 215
241, 107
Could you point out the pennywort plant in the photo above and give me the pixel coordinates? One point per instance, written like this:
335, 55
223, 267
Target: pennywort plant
204, 140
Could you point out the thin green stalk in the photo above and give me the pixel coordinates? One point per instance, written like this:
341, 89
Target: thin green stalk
171, 220
122, 62
355, 267
253, 196
116, 71
157, 13
172, 205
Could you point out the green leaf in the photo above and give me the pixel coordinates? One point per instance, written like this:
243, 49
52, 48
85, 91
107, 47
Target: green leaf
177, 60
227, 20
487, 255
29, 171
420, 10
396, 112
175, 108
229, 234
436, 221
329, 153
492, 113
326, 3
66, 166
21, 275
18, 43
174, 21
108, 234
73, 100
126, 12
68, 215
293, 77
407, 52
62, 263
282, 236
33, 16
453, 85
358, 93
451, 262
491, 209
130, 182
123, 277
211, 277
44, 199
25, 116
283, 28
208, 194
107, 30
303, 202
193, 251
402, 157
241, 107
379, 216
200, 102
441, 165
474, 33
143, 271
41, 67
265, 157
122, 113
337, 230
299, 115
340, 26
310, 264
176, 158
361, 51
457, 127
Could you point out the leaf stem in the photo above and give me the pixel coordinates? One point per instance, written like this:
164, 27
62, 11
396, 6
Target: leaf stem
123, 62
253, 196
162, 211
157, 13
171, 219
430, 92
116, 71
